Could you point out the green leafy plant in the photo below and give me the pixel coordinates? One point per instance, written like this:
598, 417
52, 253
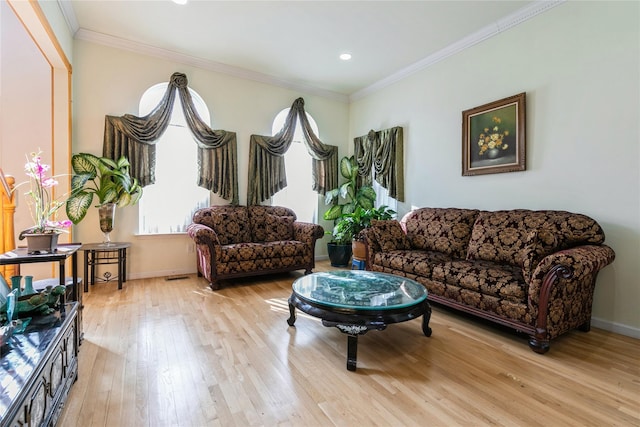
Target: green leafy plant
351, 224
102, 177
348, 197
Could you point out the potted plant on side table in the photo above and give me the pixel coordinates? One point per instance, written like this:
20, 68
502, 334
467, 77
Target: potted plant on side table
106, 179
42, 237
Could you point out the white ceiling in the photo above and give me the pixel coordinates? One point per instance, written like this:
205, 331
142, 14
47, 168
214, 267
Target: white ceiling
297, 43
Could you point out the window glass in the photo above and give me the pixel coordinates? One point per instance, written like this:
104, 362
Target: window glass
298, 195
168, 205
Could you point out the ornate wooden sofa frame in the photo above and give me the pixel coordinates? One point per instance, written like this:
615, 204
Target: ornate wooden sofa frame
237, 241
533, 271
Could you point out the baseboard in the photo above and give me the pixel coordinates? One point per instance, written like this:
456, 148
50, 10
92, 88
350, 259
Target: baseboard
618, 328
162, 273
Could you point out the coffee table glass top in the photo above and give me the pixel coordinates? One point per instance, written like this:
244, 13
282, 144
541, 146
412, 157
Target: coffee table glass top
360, 290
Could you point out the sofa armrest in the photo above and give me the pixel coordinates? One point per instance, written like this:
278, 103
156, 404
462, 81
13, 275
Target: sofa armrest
562, 285
307, 232
372, 246
202, 235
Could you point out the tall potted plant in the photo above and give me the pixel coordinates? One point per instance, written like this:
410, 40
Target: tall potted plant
352, 209
344, 200
106, 179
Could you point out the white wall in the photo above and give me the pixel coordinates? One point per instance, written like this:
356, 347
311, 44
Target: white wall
579, 66
111, 81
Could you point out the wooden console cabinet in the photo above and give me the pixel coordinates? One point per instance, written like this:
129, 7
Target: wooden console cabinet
38, 368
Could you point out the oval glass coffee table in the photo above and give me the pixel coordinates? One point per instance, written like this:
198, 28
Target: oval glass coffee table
356, 301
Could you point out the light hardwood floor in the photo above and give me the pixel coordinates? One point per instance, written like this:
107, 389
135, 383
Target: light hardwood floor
175, 353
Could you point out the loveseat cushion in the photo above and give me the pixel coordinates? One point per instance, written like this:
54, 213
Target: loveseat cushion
267, 250
230, 223
278, 228
445, 230
486, 277
502, 236
390, 235
258, 215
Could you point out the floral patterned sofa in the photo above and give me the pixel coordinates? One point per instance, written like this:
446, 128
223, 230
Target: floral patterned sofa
534, 271
236, 241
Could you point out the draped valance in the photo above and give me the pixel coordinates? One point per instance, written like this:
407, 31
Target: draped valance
382, 152
135, 137
267, 173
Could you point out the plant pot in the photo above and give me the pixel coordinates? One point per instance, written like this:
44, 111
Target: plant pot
42, 243
107, 213
359, 250
339, 254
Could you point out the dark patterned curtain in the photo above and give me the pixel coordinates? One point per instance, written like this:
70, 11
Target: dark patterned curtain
267, 173
382, 152
135, 137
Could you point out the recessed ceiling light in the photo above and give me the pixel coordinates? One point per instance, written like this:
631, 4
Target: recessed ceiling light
345, 56
180, 1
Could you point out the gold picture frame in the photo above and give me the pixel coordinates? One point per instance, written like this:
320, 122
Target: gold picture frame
493, 137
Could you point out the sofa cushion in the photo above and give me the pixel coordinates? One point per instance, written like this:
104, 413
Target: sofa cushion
539, 244
444, 230
231, 223
390, 235
258, 218
278, 228
410, 261
502, 236
486, 277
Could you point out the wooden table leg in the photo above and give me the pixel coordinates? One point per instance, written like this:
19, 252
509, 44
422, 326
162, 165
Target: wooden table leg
352, 352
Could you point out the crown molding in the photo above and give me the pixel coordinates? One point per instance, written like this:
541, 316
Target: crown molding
123, 44
69, 16
516, 18
479, 36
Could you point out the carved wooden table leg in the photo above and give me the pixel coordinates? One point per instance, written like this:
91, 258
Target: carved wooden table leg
426, 317
292, 314
352, 352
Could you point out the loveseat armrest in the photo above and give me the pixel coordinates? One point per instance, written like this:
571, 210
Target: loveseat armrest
202, 235
561, 289
307, 232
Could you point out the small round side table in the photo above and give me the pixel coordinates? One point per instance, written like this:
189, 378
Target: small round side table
104, 253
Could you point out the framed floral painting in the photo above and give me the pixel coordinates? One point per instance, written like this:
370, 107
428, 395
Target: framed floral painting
493, 137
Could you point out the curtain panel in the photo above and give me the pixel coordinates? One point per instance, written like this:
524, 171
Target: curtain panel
135, 137
267, 174
383, 153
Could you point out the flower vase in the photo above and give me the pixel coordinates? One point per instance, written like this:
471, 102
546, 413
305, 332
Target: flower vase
28, 286
15, 284
107, 213
42, 243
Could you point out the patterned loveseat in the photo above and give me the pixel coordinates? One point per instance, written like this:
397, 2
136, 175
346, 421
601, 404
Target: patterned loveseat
236, 241
534, 271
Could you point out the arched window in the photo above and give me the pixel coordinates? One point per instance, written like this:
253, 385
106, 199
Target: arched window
168, 205
298, 194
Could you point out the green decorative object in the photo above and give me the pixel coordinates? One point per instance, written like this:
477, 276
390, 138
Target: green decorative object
28, 286
30, 304
15, 284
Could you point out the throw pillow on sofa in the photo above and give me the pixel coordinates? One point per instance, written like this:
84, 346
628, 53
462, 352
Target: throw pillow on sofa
390, 235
